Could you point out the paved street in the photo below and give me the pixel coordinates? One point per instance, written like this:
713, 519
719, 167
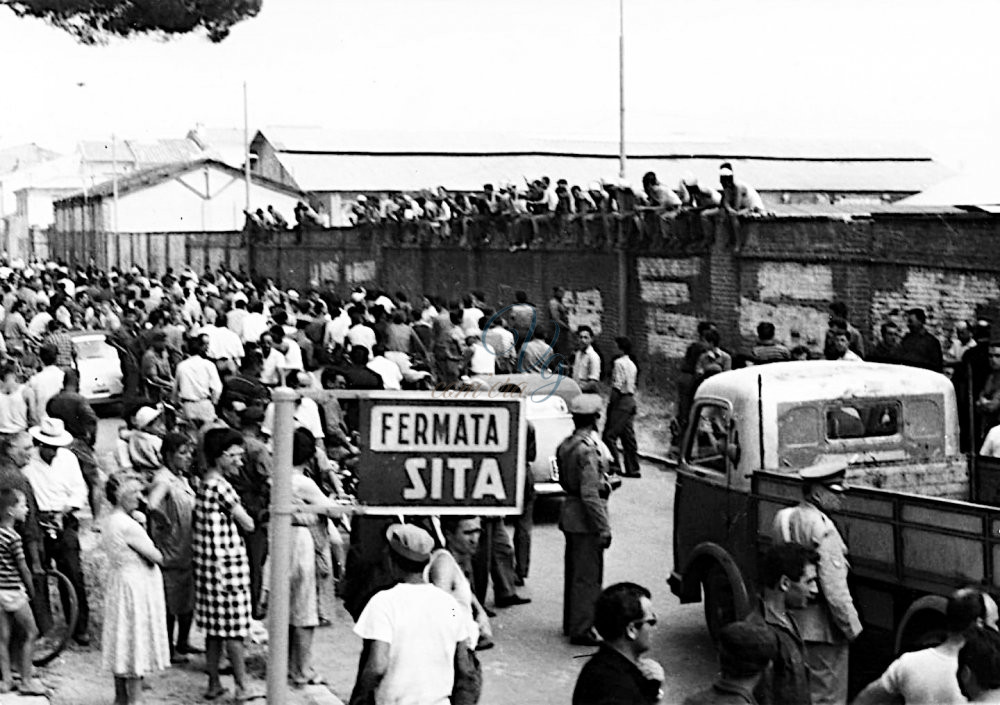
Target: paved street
531, 662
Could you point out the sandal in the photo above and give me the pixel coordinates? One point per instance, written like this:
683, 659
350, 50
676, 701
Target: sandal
254, 692
315, 679
215, 693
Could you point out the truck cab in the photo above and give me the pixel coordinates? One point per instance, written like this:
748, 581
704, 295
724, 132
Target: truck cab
896, 430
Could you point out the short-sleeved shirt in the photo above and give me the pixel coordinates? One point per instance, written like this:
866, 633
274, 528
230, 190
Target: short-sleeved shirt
927, 676
11, 554
422, 625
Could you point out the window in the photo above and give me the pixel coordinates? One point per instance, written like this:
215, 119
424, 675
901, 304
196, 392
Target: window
708, 442
863, 419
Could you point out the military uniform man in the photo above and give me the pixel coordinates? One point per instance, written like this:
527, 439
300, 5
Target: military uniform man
583, 472
830, 623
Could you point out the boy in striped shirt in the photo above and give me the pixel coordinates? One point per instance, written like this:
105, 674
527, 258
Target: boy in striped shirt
16, 591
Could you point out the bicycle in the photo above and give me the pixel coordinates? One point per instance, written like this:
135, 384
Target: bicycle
56, 613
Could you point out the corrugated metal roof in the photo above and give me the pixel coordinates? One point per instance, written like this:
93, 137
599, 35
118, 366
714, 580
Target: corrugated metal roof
322, 140
150, 177
165, 151
333, 172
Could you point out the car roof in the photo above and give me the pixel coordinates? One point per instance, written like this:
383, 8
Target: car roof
87, 336
823, 379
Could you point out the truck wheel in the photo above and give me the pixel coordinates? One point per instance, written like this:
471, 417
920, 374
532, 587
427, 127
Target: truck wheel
720, 604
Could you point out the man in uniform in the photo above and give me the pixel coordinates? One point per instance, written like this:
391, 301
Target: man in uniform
583, 472
829, 623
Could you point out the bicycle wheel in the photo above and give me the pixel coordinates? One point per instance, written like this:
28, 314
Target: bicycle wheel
56, 611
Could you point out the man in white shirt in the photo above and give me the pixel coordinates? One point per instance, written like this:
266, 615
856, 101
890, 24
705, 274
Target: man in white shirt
586, 361
235, 317
931, 675
60, 491
283, 354
336, 329
224, 347
44, 384
360, 334
392, 376
414, 632
621, 411
254, 323
197, 385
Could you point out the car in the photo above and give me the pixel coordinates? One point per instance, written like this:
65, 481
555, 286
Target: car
99, 367
547, 409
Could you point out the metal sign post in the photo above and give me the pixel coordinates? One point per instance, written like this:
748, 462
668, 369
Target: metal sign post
280, 532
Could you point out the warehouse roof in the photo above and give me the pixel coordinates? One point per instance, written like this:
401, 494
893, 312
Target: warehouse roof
324, 160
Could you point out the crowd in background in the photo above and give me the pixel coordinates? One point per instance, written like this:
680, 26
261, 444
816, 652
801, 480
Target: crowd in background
542, 196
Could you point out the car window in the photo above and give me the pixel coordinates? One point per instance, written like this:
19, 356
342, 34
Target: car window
91, 349
862, 419
924, 419
707, 444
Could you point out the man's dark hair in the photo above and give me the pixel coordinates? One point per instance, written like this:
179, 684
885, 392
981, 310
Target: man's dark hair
839, 309
765, 330
585, 329
712, 337
257, 306
8, 498
218, 441
239, 303
624, 344
277, 334
303, 446
358, 355
918, 313
618, 606
280, 316
450, 524
48, 354
838, 325
981, 655
788, 559
521, 296
965, 607
704, 327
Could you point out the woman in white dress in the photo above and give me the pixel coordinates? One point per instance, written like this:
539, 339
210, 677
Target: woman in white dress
134, 639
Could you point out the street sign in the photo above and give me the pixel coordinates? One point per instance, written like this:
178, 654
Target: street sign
424, 454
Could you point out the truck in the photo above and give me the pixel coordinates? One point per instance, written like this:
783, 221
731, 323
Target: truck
919, 517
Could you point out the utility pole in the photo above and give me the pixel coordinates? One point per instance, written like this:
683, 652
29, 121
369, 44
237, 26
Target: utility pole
621, 88
246, 143
114, 184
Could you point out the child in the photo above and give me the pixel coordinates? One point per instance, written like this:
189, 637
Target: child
16, 591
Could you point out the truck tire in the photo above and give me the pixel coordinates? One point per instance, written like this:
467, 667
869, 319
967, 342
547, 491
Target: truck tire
720, 600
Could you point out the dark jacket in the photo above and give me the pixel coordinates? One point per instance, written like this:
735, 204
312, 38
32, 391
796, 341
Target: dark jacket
786, 680
609, 678
920, 349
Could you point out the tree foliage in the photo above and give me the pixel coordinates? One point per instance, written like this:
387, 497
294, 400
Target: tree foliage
92, 21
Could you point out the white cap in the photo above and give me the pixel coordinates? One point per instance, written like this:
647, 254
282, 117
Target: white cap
293, 294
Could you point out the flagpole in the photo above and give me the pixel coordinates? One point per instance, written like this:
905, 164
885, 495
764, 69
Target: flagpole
246, 143
621, 88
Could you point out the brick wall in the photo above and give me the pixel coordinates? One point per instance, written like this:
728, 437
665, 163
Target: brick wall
652, 277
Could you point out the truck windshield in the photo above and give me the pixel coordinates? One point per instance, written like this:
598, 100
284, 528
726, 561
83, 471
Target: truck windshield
859, 419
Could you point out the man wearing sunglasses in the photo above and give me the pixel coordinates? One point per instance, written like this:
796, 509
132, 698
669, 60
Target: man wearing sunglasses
620, 672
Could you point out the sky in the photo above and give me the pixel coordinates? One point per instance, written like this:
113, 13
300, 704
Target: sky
922, 71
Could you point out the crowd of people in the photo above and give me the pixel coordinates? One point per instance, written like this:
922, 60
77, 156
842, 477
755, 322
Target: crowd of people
970, 357
542, 196
183, 512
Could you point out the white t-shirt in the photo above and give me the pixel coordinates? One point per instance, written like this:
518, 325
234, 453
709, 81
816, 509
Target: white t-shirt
928, 676
361, 335
991, 446
423, 626
392, 376
254, 326
306, 416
